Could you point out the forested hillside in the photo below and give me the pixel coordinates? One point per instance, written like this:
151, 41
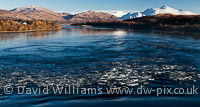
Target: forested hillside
25, 25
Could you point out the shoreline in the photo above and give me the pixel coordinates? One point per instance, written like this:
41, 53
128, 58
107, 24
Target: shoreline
29, 31
162, 22
16, 26
194, 34
138, 27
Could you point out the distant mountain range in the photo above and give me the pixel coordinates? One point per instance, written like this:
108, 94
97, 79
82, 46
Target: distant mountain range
41, 13
91, 16
156, 11
117, 13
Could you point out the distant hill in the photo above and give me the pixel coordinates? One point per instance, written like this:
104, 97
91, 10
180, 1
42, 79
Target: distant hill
41, 13
91, 16
156, 22
10, 14
5, 12
156, 11
167, 19
32, 9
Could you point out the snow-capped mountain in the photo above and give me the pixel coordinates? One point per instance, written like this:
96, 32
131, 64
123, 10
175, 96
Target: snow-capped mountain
119, 13
131, 15
156, 11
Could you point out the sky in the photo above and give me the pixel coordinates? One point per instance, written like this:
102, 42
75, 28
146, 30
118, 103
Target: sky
81, 5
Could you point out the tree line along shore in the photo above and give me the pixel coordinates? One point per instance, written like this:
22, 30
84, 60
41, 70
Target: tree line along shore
157, 22
18, 25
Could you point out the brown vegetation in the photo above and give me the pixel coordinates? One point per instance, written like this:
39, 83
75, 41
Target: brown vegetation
21, 25
91, 16
157, 22
40, 13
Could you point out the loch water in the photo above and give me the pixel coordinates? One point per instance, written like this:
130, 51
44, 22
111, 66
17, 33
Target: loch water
100, 57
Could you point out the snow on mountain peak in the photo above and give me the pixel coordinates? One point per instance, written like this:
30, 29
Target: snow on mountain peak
156, 11
165, 7
30, 9
119, 13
